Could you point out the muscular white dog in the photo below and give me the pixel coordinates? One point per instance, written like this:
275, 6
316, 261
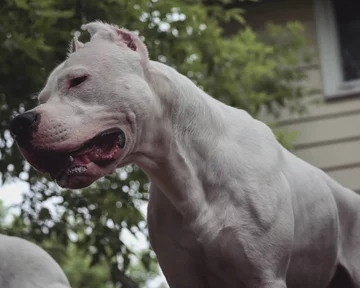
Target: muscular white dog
25, 265
229, 206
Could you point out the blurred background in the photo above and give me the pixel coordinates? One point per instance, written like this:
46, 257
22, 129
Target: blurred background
293, 64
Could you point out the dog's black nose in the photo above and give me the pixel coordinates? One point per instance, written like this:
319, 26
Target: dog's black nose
23, 125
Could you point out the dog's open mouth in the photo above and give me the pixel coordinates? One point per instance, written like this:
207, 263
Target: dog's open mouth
100, 150
92, 156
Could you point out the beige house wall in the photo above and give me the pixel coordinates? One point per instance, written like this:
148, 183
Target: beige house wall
328, 135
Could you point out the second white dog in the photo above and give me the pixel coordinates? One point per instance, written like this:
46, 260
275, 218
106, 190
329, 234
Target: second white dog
25, 265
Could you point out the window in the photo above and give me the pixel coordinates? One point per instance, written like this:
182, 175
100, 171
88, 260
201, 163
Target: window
338, 26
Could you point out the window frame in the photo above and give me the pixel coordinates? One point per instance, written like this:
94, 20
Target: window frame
334, 85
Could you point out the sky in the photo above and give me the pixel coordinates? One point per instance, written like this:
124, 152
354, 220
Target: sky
11, 194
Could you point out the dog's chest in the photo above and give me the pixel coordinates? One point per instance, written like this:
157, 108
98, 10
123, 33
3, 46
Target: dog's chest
175, 241
178, 243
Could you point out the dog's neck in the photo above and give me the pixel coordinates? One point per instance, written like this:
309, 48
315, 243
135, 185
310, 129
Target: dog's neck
177, 142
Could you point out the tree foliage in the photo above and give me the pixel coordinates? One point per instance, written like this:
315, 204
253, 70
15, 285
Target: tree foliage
245, 70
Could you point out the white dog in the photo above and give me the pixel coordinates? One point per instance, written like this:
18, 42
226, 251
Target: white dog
25, 265
229, 206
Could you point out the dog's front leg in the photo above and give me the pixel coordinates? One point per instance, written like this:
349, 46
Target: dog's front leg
253, 262
176, 248
248, 239
276, 284
280, 283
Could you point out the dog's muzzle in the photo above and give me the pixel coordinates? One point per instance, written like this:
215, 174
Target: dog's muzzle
93, 154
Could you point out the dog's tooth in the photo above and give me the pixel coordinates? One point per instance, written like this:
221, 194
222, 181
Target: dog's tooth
121, 140
71, 159
76, 170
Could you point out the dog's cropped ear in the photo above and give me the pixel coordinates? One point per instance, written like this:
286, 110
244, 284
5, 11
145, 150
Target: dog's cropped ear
75, 44
120, 36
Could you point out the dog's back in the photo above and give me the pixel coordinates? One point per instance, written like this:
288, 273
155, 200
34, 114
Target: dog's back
328, 216
348, 209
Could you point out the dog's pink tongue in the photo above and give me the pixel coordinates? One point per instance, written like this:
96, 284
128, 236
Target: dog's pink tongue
96, 153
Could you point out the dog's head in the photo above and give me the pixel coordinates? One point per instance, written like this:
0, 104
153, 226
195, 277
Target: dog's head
86, 121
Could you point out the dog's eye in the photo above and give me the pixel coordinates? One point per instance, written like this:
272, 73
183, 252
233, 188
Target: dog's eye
77, 81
